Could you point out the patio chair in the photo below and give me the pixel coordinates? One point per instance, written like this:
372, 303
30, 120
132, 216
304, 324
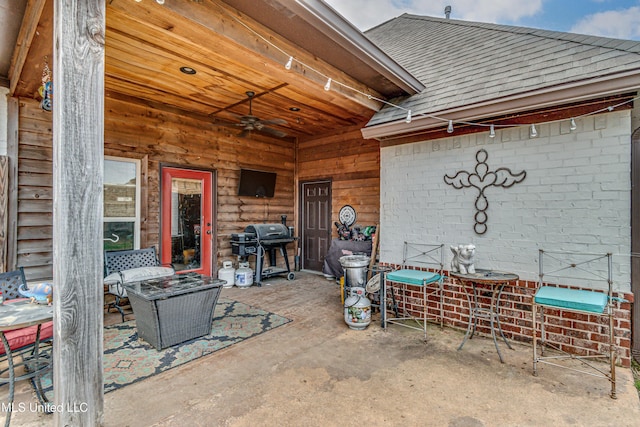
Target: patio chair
20, 340
568, 267
421, 273
131, 265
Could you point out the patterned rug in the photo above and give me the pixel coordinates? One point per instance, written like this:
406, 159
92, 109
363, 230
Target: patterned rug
128, 359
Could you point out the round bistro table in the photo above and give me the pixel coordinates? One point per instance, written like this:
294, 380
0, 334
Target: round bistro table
18, 315
496, 281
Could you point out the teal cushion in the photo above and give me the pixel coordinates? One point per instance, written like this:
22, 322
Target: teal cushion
572, 299
413, 277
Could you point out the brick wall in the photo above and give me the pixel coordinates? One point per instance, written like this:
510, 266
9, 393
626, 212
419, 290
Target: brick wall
576, 333
575, 197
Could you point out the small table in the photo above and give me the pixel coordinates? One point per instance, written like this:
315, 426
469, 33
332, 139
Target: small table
18, 315
174, 309
497, 280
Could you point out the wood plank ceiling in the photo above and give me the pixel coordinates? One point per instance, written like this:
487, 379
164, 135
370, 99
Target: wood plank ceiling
147, 44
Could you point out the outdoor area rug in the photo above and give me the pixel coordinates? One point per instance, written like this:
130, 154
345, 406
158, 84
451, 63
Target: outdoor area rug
128, 359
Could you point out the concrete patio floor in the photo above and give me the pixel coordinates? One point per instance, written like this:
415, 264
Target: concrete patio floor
315, 371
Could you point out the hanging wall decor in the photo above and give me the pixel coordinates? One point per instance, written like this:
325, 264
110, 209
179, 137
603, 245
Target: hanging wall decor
481, 179
46, 90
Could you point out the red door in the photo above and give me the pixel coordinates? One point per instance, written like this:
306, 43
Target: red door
186, 226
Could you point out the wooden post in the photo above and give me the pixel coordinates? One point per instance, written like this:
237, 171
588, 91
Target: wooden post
4, 190
78, 152
13, 113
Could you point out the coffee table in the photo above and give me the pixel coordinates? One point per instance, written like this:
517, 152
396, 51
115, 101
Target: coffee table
174, 309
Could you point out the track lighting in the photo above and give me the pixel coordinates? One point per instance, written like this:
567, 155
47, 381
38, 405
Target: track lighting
534, 131
450, 127
289, 62
328, 85
492, 131
408, 119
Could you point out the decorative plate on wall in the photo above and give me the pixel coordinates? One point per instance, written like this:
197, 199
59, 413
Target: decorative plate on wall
347, 215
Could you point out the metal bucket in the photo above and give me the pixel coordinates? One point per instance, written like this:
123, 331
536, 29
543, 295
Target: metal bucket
355, 270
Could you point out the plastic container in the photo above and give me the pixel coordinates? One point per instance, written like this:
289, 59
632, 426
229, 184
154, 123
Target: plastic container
228, 274
244, 275
357, 312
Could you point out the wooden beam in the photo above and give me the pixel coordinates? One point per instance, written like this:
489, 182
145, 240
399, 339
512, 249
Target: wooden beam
13, 112
4, 190
78, 147
32, 15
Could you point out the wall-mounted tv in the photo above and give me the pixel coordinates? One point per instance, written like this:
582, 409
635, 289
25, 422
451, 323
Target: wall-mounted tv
256, 183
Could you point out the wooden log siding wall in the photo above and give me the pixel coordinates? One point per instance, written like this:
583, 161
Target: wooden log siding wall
353, 165
155, 137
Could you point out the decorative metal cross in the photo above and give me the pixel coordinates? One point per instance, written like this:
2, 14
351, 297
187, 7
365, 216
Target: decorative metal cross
482, 179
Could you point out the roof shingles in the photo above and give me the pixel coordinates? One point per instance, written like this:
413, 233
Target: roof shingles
463, 63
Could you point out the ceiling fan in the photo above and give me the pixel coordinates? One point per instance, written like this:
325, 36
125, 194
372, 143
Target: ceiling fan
251, 123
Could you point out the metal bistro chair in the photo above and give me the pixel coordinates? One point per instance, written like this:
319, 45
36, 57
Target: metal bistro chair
422, 268
125, 266
569, 266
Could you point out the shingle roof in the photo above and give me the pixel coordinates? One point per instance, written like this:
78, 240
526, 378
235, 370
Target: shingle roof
463, 63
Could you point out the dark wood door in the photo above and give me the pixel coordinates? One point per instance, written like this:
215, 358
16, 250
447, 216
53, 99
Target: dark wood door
316, 223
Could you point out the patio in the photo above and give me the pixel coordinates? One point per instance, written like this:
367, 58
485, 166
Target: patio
316, 371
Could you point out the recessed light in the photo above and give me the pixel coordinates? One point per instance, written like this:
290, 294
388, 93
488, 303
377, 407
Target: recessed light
188, 70
294, 109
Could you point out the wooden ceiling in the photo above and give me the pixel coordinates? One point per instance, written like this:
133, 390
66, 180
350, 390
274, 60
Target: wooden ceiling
146, 45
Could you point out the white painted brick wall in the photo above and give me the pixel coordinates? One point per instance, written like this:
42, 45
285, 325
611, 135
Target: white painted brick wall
576, 196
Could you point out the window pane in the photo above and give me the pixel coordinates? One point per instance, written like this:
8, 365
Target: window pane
123, 232
186, 212
119, 189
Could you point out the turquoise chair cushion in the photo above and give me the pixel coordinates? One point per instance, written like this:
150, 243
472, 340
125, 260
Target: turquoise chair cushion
413, 277
571, 299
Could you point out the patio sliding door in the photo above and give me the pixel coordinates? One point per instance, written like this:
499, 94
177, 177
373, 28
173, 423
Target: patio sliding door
186, 223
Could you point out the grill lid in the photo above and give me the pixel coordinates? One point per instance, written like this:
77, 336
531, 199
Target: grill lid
268, 231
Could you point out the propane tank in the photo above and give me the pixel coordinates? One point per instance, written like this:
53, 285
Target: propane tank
357, 312
244, 275
227, 273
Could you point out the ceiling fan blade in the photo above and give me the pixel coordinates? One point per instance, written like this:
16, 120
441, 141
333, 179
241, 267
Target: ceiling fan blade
222, 122
272, 131
274, 122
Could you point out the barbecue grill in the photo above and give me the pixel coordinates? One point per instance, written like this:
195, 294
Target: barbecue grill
259, 239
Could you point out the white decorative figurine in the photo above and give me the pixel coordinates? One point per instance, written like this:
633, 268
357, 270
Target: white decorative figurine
463, 258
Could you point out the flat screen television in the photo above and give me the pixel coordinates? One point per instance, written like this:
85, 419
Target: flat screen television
256, 183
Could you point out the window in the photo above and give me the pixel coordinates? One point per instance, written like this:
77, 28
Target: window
121, 203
